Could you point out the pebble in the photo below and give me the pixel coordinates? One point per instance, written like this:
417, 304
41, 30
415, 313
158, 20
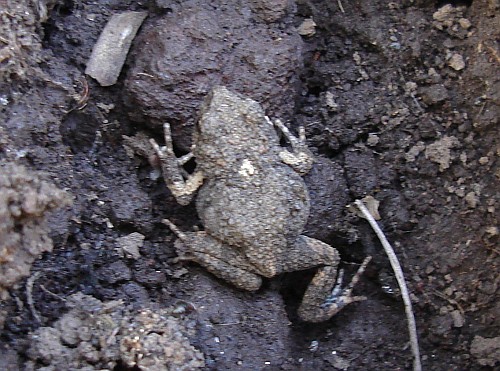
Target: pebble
471, 199
434, 94
458, 318
307, 28
130, 244
456, 62
484, 160
464, 23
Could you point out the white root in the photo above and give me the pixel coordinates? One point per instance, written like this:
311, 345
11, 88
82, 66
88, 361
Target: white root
393, 259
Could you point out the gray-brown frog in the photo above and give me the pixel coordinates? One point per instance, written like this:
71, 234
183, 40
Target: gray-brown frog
253, 203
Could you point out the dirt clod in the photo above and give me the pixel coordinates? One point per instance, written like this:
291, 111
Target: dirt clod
440, 151
486, 350
25, 200
97, 335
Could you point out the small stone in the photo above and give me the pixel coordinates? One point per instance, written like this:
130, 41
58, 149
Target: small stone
414, 151
492, 231
307, 28
484, 160
457, 62
444, 13
372, 140
440, 151
330, 102
130, 244
464, 23
411, 87
471, 199
357, 58
433, 94
458, 318
460, 191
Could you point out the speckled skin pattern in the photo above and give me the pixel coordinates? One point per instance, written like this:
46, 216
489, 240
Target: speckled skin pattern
252, 204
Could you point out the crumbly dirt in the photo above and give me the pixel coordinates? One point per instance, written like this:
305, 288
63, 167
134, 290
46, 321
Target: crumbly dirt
400, 101
25, 201
96, 335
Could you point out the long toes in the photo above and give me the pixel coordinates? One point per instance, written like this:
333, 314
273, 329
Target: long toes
339, 301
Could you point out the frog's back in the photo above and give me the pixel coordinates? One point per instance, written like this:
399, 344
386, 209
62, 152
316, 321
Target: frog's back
270, 207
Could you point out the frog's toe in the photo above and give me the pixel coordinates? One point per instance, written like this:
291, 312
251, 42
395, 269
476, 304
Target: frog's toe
313, 311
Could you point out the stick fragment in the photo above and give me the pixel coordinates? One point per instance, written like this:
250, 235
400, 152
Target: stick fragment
29, 295
393, 259
111, 49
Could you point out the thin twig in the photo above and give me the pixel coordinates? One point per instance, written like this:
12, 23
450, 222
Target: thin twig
393, 259
29, 295
51, 293
340, 6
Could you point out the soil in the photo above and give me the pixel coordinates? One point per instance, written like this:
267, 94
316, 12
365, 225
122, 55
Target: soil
400, 101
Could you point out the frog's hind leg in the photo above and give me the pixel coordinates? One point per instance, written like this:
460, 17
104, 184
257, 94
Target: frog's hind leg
324, 296
224, 261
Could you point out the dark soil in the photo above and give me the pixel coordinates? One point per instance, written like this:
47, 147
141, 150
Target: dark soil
399, 102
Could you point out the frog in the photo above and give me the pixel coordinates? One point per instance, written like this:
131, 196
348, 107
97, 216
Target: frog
252, 202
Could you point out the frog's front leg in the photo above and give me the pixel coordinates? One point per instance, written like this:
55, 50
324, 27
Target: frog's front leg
301, 158
224, 261
171, 167
324, 296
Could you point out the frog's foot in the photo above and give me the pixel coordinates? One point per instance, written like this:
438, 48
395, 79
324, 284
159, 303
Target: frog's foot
182, 189
301, 158
337, 299
224, 261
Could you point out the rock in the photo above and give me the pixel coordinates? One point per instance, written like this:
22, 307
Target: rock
445, 16
272, 10
440, 151
414, 151
464, 23
486, 350
180, 56
471, 199
434, 94
330, 102
444, 13
372, 140
492, 231
307, 28
456, 62
130, 244
484, 160
458, 318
